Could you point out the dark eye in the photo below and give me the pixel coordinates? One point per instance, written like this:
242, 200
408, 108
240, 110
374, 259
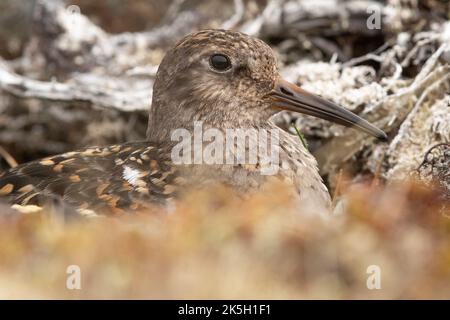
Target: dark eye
220, 62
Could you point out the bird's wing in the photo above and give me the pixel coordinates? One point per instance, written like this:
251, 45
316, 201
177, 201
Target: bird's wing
94, 180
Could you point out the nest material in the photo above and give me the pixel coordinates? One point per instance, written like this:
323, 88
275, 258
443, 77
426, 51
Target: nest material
436, 167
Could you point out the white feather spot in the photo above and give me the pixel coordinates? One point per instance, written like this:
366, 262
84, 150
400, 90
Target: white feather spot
131, 175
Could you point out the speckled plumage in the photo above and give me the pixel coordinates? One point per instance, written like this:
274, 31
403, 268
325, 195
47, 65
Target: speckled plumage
93, 180
131, 176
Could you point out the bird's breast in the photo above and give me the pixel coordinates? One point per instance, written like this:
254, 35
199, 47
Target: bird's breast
254, 165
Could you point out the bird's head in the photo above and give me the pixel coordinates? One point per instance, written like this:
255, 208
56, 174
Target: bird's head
228, 79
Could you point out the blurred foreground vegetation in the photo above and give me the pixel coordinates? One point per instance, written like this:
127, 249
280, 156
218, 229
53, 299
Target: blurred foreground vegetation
218, 245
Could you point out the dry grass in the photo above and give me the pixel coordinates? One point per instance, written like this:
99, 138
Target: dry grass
217, 245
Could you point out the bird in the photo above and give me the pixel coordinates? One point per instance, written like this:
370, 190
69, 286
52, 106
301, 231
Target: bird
220, 79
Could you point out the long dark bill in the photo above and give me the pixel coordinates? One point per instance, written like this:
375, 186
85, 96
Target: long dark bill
288, 96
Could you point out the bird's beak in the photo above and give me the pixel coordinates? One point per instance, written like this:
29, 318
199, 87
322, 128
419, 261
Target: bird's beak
287, 96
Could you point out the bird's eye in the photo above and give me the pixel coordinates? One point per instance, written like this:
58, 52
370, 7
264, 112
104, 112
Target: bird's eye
220, 62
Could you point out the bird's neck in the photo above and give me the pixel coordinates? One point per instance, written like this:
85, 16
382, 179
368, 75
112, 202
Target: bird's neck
167, 118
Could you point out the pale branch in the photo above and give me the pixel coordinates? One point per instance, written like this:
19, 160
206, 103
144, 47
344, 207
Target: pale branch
100, 91
70, 42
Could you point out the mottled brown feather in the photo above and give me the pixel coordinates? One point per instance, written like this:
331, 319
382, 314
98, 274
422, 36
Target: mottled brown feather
90, 178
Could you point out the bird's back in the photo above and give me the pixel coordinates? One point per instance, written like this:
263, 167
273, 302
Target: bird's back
93, 180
